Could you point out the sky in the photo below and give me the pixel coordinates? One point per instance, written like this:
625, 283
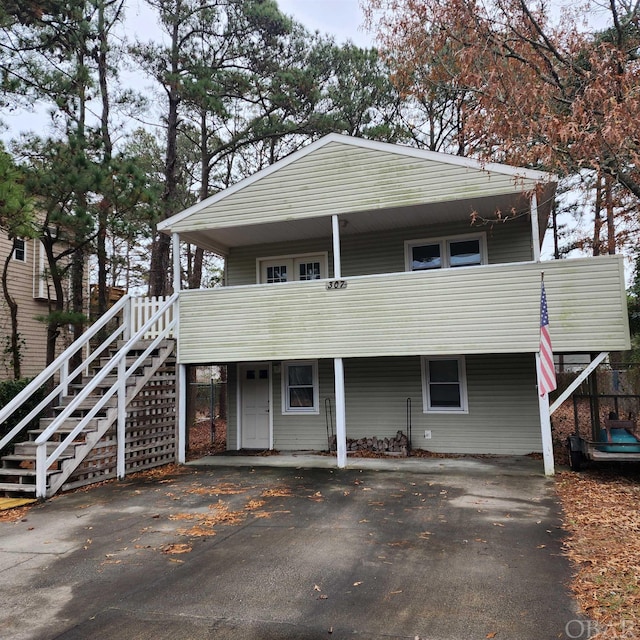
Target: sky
340, 18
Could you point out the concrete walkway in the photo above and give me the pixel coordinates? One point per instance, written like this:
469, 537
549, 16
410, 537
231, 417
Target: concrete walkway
450, 549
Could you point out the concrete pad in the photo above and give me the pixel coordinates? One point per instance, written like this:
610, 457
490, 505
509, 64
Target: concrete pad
452, 551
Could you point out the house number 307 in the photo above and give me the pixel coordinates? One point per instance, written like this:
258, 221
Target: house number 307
337, 284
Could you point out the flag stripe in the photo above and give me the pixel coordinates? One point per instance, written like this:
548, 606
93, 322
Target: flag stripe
547, 381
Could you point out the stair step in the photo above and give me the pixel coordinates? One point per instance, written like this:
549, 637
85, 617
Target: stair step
86, 404
141, 345
69, 425
130, 359
20, 457
30, 448
11, 487
8, 472
19, 481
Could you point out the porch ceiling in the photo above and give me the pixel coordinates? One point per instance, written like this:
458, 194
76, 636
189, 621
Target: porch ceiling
220, 240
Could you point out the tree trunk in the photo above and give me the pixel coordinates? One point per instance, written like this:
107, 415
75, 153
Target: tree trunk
611, 227
13, 347
159, 271
597, 220
105, 205
56, 308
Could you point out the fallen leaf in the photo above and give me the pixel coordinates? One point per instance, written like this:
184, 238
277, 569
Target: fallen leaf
178, 548
492, 634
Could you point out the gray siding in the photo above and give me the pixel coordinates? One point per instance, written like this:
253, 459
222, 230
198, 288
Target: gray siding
340, 178
489, 309
369, 254
503, 407
291, 432
502, 419
241, 261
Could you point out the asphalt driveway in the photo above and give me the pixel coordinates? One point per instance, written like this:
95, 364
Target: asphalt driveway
453, 549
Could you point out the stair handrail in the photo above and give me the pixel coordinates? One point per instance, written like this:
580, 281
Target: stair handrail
57, 365
52, 394
55, 454
43, 462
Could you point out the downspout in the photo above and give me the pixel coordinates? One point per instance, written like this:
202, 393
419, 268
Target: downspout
338, 365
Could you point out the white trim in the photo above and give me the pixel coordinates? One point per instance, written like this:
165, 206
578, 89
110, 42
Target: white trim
444, 242
462, 382
583, 375
535, 230
337, 258
384, 147
175, 251
182, 413
41, 290
341, 419
323, 255
297, 411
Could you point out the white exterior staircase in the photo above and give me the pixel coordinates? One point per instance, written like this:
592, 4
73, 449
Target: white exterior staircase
112, 375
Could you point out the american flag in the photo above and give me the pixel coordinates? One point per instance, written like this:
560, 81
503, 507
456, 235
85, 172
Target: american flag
547, 368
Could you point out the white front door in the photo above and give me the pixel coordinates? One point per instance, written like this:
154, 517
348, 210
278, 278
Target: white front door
254, 416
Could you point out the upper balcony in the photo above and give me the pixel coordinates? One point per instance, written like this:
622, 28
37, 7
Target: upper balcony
484, 309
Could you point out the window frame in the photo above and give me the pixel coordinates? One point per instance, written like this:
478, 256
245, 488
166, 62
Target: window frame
23, 250
445, 243
462, 383
294, 261
288, 410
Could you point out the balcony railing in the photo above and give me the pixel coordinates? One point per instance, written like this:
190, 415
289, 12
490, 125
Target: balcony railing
488, 309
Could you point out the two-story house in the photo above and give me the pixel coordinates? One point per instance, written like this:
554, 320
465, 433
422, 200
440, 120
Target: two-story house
356, 280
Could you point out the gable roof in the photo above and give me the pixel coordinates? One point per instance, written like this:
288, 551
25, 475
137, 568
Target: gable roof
342, 175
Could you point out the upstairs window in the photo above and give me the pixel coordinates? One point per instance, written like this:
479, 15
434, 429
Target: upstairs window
291, 268
445, 253
20, 250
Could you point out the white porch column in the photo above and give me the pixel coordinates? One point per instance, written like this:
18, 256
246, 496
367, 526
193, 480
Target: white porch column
182, 413
341, 421
175, 243
121, 429
337, 260
535, 230
545, 425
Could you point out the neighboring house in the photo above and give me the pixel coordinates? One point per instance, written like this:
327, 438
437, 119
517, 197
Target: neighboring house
29, 287
356, 280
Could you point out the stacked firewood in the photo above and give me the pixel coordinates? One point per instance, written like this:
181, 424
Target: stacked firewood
396, 445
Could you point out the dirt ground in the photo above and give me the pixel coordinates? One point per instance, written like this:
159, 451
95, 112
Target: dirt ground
203, 442
602, 521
